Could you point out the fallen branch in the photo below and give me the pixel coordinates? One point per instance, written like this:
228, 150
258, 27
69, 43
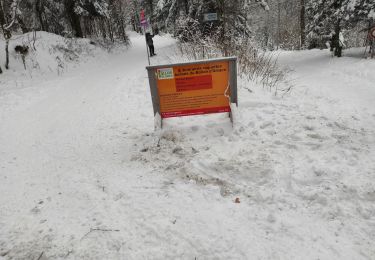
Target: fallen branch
40, 256
100, 229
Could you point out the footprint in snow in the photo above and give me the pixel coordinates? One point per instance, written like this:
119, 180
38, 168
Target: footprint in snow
195, 128
309, 128
315, 136
310, 117
266, 124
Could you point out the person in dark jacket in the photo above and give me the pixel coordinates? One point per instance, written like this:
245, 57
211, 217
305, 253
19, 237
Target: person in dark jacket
150, 43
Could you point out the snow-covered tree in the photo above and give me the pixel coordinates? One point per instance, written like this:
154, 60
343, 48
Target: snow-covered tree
93, 8
330, 17
6, 25
232, 14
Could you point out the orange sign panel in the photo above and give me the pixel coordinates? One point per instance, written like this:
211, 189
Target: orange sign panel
193, 89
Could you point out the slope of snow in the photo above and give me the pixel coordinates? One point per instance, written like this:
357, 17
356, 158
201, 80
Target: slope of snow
49, 53
84, 175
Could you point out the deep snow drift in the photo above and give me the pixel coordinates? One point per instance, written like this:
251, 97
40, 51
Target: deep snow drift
84, 176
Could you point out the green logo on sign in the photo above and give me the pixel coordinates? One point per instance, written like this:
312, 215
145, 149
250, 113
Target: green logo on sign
165, 73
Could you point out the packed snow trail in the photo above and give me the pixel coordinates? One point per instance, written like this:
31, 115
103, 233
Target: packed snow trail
55, 151
84, 176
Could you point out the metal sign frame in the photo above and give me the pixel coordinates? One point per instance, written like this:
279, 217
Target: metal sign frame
152, 75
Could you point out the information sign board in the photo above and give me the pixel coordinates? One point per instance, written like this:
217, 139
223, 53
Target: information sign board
210, 17
194, 88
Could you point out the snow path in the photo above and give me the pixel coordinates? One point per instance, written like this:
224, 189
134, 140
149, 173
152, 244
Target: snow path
83, 175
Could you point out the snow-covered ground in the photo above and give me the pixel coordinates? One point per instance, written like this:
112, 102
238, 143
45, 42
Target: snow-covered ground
83, 175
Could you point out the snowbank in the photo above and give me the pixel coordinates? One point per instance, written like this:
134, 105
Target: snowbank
50, 53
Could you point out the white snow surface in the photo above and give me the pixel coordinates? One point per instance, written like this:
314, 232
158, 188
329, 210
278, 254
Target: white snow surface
83, 174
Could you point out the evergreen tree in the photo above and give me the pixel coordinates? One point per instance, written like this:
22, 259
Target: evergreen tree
332, 16
93, 8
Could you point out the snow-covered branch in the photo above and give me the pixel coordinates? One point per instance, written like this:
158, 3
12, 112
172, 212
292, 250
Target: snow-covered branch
14, 15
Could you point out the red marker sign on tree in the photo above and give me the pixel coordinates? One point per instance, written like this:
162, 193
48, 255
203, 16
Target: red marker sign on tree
143, 18
372, 33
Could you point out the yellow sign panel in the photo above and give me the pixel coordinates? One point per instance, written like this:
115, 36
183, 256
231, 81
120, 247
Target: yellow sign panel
193, 89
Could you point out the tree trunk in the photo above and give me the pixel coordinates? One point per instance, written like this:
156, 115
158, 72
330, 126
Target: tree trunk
303, 24
110, 30
102, 28
38, 14
89, 26
39, 9
7, 50
151, 10
22, 25
133, 24
3, 11
122, 29
278, 24
2, 16
186, 7
336, 41
222, 14
6, 34
73, 18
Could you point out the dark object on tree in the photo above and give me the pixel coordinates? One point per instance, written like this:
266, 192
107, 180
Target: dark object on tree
150, 43
23, 50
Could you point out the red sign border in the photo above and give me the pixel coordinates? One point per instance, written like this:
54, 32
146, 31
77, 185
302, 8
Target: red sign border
195, 112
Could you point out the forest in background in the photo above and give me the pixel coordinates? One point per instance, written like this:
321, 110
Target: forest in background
241, 24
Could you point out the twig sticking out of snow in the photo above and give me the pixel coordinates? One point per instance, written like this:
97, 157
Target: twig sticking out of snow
40, 256
100, 229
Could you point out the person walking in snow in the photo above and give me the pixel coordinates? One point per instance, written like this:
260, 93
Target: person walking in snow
150, 43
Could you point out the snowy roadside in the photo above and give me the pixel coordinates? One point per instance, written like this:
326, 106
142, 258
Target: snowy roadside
83, 174
50, 59
302, 164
